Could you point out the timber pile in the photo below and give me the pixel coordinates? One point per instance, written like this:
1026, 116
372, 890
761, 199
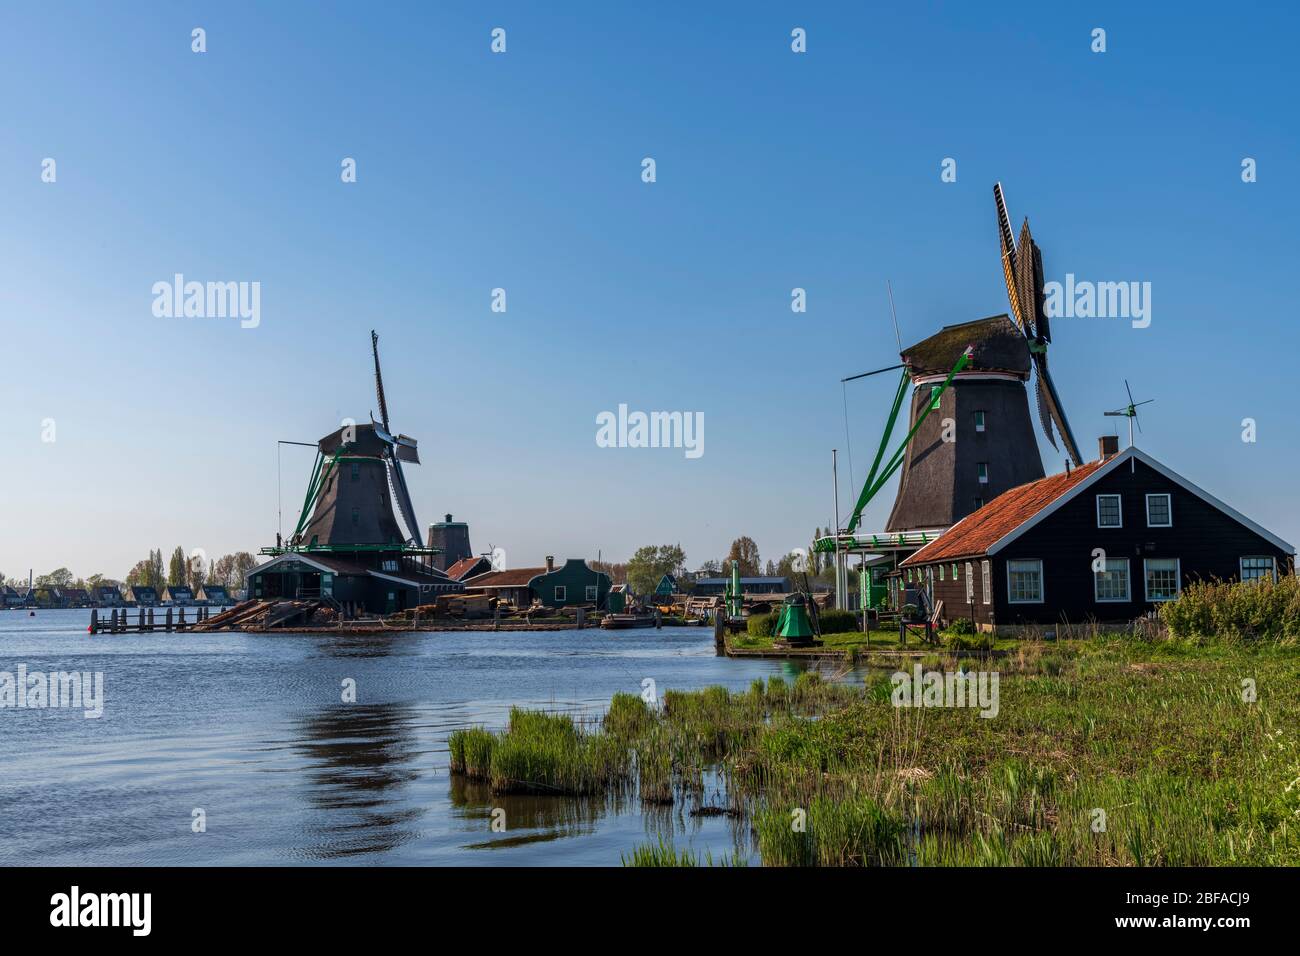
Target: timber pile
232, 618
463, 606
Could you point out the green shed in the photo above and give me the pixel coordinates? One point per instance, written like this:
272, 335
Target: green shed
572, 585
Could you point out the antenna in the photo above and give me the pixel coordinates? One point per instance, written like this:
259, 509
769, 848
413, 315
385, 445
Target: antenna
1130, 411
897, 337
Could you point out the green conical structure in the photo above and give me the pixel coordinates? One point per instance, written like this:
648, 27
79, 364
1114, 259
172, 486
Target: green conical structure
793, 625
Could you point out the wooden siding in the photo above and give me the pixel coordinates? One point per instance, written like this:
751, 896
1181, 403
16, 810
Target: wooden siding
1207, 542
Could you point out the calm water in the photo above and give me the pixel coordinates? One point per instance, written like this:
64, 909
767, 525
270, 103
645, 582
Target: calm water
252, 729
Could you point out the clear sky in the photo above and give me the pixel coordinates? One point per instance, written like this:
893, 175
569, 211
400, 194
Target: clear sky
522, 171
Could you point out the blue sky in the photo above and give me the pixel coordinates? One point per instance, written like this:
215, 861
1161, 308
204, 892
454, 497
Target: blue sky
522, 171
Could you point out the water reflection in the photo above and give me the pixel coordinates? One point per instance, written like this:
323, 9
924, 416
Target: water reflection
359, 761
529, 818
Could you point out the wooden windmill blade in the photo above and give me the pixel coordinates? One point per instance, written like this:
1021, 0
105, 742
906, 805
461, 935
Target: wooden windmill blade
1008, 247
398, 449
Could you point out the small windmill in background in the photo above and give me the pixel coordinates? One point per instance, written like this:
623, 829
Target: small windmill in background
1130, 412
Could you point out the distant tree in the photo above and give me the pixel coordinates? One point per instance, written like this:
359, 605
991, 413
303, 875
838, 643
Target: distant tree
195, 571
710, 569
177, 567
244, 562
745, 552
617, 570
58, 578
651, 563
155, 578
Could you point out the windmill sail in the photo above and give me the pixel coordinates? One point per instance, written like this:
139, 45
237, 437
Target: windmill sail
398, 449
1022, 267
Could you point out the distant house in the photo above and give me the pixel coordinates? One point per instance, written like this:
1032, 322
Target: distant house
107, 595
74, 597
666, 587
1107, 541
467, 568
46, 596
573, 585
762, 585
213, 595
177, 595
141, 596
511, 586
12, 598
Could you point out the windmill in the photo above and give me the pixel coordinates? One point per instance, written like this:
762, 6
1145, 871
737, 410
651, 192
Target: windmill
399, 448
1022, 268
1130, 411
973, 376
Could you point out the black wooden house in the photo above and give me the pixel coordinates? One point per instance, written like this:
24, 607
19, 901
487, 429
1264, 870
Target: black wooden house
1106, 541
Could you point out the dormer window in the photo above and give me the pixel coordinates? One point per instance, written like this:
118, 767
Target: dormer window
1110, 511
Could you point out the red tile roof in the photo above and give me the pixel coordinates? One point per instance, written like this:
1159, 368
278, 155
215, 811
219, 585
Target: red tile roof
514, 578
460, 567
981, 529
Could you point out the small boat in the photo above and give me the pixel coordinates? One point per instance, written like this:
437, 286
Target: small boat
621, 622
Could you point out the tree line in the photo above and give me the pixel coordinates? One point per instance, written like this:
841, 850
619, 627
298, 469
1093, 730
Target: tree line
643, 571
193, 571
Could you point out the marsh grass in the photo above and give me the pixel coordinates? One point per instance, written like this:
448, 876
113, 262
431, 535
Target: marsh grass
1119, 751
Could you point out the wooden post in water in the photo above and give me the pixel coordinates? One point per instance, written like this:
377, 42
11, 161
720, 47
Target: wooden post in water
180, 625
582, 618
139, 624
151, 619
94, 621
169, 620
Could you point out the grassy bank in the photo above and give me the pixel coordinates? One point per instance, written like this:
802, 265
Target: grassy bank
1104, 752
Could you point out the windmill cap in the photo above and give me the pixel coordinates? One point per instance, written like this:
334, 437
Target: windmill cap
994, 344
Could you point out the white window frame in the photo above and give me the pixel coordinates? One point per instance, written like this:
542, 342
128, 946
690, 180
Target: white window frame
1128, 583
561, 593
593, 592
1118, 498
1146, 580
940, 570
1241, 565
1042, 589
982, 472
970, 583
1168, 497
986, 580
980, 420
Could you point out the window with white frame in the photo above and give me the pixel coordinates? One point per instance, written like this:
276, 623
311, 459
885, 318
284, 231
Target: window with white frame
970, 583
1110, 513
1025, 581
1160, 513
941, 572
982, 470
1162, 578
591, 592
1258, 569
1112, 584
561, 593
979, 421
956, 571
986, 574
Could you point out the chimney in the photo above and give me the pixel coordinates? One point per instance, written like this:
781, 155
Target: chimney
550, 563
1107, 446
448, 519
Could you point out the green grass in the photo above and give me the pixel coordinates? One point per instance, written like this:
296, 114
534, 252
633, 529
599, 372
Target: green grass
1154, 735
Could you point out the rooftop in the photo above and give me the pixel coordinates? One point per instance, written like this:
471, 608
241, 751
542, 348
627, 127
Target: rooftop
981, 529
